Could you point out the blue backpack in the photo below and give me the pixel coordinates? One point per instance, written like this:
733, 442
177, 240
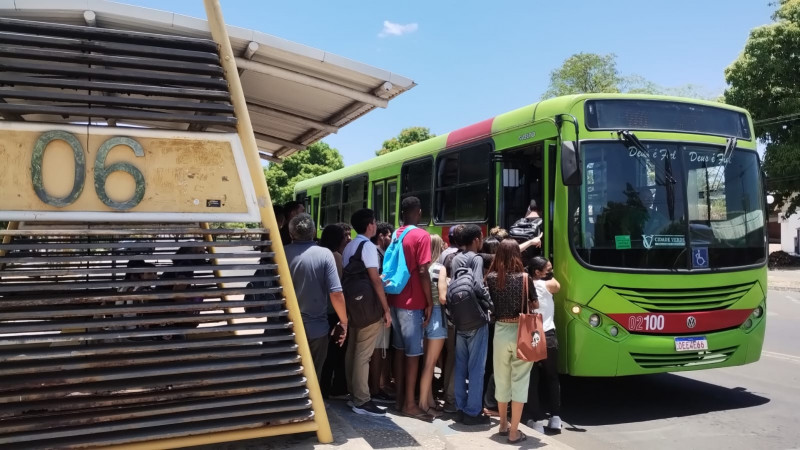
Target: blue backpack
395, 270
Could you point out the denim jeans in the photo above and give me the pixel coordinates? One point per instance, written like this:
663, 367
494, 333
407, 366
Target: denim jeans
471, 348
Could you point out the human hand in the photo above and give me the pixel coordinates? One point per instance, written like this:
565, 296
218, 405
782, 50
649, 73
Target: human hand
339, 333
428, 310
387, 319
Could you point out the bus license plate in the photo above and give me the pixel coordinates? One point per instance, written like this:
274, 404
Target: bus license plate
690, 344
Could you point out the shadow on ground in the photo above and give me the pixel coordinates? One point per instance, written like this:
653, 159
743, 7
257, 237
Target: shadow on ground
609, 401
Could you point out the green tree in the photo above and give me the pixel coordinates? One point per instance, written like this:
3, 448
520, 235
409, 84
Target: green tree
407, 136
585, 73
318, 159
763, 80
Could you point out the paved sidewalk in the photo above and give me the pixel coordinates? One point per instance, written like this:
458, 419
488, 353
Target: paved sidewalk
784, 279
356, 432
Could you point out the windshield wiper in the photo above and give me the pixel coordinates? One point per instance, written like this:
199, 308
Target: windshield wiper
631, 140
730, 145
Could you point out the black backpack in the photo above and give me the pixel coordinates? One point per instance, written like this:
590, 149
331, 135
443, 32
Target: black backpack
526, 229
462, 305
363, 306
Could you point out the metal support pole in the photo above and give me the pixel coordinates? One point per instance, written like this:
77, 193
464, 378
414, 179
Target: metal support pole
245, 129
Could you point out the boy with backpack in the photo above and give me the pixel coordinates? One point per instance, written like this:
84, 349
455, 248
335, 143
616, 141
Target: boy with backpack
367, 309
408, 283
470, 310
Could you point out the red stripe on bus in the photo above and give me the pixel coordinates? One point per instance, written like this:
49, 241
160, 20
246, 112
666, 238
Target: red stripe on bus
472, 132
671, 323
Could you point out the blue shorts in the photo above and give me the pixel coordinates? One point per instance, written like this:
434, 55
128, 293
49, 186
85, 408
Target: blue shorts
407, 330
437, 326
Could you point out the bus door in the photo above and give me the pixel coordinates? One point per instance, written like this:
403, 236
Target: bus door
520, 180
384, 200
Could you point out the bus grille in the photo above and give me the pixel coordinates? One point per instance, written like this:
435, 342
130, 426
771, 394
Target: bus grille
684, 300
659, 361
93, 353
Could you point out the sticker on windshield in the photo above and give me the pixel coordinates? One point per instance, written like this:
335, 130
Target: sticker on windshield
700, 257
622, 242
663, 240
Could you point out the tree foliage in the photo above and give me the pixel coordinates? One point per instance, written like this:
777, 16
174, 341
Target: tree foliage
763, 80
318, 159
584, 73
408, 136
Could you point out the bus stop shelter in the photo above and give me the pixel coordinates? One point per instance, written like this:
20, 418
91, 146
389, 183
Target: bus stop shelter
124, 319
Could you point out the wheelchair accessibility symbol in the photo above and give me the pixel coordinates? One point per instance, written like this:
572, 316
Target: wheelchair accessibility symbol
700, 258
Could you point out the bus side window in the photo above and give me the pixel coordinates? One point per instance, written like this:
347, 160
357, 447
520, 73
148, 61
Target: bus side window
417, 179
391, 187
354, 196
331, 203
462, 185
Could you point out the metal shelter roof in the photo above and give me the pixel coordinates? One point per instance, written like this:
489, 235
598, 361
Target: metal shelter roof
296, 94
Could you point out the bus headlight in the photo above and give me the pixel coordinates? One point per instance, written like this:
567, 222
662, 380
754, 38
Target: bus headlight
748, 323
594, 320
576, 309
757, 312
613, 331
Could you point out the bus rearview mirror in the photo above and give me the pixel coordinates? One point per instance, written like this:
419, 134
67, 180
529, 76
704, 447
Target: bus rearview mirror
570, 163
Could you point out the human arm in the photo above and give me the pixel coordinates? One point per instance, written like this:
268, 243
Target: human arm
337, 300
533, 298
335, 292
553, 286
425, 279
535, 242
377, 286
441, 285
339, 263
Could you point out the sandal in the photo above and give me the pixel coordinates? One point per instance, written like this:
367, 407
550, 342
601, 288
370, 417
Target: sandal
503, 433
425, 417
436, 413
521, 438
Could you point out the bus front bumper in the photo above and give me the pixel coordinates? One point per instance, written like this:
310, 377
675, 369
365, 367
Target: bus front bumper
591, 353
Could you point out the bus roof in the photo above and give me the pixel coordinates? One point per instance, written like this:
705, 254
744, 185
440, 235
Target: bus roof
483, 129
296, 94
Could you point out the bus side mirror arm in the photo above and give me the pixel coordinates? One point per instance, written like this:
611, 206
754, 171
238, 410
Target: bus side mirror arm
570, 163
570, 153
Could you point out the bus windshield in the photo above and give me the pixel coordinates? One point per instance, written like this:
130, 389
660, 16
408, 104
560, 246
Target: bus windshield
678, 206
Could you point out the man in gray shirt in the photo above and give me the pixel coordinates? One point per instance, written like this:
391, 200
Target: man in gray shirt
314, 276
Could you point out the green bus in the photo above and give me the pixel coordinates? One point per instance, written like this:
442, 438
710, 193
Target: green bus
654, 218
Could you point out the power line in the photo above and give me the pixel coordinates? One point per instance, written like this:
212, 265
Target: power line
778, 119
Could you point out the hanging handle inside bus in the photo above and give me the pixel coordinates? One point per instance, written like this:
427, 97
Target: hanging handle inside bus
570, 153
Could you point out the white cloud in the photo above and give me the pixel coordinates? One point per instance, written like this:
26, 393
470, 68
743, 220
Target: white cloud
396, 29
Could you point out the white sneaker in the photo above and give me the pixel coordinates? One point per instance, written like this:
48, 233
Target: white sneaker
535, 426
554, 424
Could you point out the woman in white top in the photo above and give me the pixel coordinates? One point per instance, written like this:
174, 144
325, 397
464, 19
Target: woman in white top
542, 273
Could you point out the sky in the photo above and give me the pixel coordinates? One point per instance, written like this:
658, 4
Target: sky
473, 60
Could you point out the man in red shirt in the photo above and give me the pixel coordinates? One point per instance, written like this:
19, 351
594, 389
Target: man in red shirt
411, 309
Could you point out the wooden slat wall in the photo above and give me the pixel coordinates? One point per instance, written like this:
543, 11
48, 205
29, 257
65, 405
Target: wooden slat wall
96, 349
95, 73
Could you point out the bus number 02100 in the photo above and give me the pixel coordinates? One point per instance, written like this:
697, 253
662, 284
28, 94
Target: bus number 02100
101, 171
653, 322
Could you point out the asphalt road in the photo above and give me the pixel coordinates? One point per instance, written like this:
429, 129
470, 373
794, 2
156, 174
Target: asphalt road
747, 407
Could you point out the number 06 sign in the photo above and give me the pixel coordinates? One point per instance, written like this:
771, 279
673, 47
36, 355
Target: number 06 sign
56, 172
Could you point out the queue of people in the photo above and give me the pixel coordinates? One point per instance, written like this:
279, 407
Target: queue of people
411, 298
